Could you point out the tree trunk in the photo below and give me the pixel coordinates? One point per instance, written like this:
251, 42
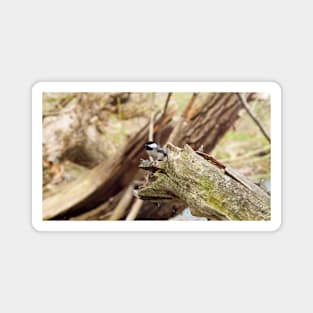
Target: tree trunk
209, 124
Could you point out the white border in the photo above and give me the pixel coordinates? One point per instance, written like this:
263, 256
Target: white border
265, 87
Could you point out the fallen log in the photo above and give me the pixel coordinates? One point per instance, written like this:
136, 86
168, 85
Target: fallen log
198, 126
206, 186
96, 194
103, 181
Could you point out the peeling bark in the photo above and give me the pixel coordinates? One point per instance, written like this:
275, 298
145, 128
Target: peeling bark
201, 126
205, 185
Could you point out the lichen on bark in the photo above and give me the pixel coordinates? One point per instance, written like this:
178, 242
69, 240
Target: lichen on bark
206, 186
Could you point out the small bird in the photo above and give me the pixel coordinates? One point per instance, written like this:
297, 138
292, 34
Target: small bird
155, 151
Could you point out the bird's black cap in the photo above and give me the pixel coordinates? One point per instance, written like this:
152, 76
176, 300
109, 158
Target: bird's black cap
148, 143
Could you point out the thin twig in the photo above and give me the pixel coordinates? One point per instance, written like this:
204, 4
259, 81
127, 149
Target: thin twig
253, 116
134, 210
150, 136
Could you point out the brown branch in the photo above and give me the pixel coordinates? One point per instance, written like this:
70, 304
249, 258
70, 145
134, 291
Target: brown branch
183, 119
186, 113
134, 210
212, 120
102, 182
123, 204
169, 95
253, 116
101, 212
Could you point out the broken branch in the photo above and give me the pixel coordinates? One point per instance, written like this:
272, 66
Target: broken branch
206, 186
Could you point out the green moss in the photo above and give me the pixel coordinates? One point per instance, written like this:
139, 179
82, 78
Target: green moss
213, 200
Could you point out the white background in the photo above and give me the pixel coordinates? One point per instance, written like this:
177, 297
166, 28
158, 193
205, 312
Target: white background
155, 272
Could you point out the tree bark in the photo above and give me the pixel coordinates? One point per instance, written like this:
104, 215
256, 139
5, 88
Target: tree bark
206, 186
198, 126
209, 124
201, 125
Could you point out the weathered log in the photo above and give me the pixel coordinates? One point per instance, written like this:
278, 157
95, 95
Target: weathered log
201, 126
205, 185
88, 197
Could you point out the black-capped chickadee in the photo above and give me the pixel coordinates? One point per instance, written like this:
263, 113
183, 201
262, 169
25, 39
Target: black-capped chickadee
155, 151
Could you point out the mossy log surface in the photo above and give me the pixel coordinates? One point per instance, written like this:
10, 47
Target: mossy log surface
206, 186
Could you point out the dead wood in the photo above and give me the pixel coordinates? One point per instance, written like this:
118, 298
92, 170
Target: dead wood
214, 118
183, 121
122, 205
168, 98
206, 186
96, 195
203, 126
134, 210
101, 182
